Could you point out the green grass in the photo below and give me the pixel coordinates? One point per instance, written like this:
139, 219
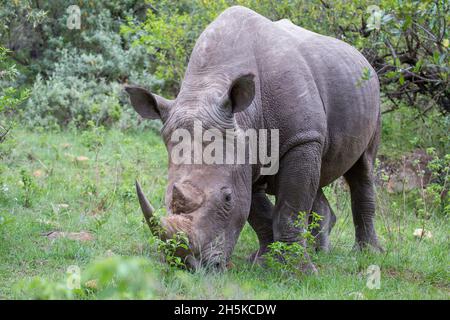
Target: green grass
101, 200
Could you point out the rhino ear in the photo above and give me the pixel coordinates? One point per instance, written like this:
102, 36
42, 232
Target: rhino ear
242, 92
148, 105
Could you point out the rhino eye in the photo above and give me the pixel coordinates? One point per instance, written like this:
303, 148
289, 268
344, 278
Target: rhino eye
227, 196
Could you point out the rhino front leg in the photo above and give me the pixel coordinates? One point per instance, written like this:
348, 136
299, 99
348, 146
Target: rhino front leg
260, 219
296, 186
327, 222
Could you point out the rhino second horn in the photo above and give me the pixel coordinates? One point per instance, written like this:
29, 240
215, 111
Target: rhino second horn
147, 209
186, 198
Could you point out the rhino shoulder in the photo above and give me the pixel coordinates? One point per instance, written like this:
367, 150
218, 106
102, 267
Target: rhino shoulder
238, 13
298, 32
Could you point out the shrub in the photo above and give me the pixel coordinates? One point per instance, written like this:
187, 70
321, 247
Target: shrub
83, 87
77, 75
63, 100
75, 94
10, 96
434, 197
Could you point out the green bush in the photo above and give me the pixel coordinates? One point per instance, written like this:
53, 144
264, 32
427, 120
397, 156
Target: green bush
62, 100
10, 95
83, 86
434, 198
76, 75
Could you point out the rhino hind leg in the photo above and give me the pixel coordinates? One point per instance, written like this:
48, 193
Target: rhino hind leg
361, 182
260, 219
327, 222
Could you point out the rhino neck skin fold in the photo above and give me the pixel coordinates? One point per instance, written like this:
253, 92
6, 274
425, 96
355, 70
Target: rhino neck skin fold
247, 72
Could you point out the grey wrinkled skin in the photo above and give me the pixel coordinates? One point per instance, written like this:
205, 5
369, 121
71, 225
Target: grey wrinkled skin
249, 72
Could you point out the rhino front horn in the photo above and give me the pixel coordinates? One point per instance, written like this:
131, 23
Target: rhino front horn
148, 210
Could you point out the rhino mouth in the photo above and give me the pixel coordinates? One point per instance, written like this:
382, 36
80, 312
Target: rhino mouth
214, 262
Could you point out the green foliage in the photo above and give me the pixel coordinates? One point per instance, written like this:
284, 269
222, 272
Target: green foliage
169, 247
42, 289
110, 278
10, 96
61, 101
288, 258
29, 188
313, 222
169, 34
76, 75
5, 219
407, 129
434, 199
94, 137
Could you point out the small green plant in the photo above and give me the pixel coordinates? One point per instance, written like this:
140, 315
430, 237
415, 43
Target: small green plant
313, 223
288, 257
169, 247
285, 257
94, 137
432, 198
29, 188
5, 219
126, 196
365, 76
100, 220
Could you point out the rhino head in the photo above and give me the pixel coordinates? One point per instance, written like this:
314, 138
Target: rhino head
210, 203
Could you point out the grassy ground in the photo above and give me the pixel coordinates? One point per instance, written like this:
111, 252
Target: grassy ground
46, 185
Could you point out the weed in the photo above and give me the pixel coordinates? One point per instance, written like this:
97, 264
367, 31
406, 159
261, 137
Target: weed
288, 257
29, 188
169, 247
5, 219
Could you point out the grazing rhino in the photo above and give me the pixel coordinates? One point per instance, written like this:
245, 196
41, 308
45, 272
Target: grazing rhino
322, 95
